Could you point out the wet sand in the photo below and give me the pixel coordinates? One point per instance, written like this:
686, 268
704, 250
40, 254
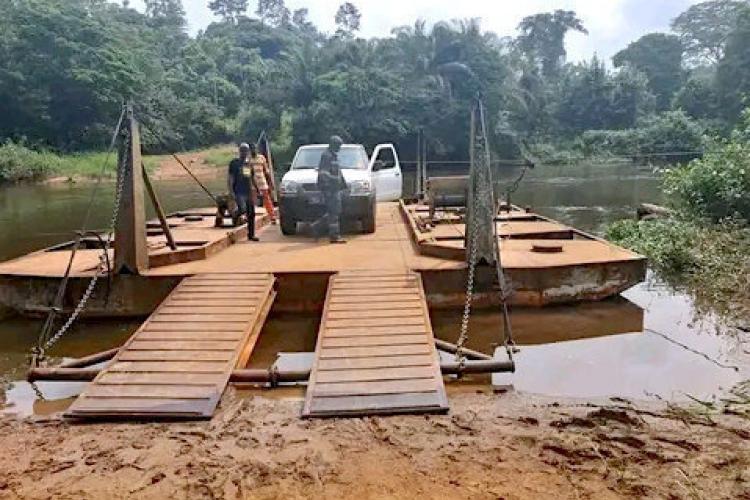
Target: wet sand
489, 446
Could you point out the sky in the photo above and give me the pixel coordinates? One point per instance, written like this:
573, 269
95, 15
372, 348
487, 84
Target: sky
612, 24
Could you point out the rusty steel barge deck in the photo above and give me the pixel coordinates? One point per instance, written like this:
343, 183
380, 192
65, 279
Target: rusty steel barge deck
585, 268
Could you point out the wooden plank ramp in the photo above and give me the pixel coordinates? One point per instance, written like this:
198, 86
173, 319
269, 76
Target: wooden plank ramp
375, 352
178, 363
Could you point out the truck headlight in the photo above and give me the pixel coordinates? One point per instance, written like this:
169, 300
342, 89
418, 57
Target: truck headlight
289, 187
360, 187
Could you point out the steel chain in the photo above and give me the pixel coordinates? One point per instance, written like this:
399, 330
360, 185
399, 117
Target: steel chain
464, 333
37, 391
100, 270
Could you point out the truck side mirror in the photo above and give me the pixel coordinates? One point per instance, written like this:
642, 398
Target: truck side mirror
378, 165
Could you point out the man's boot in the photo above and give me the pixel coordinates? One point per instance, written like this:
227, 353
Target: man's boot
335, 234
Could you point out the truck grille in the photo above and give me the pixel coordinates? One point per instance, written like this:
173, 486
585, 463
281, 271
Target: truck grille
310, 186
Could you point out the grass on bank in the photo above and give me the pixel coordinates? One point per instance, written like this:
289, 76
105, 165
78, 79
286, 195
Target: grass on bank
709, 261
219, 156
20, 164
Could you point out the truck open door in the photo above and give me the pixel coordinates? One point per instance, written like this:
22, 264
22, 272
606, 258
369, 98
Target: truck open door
386, 173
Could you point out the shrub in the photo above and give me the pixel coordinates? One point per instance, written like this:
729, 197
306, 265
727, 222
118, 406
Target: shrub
667, 243
716, 186
19, 163
671, 132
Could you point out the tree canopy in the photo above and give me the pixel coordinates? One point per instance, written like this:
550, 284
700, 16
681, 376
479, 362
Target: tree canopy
705, 28
66, 67
659, 57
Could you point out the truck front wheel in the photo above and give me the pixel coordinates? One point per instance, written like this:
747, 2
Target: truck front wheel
288, 226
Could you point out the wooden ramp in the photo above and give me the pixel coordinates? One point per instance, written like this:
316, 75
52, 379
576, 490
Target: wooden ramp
178, 363
375, 351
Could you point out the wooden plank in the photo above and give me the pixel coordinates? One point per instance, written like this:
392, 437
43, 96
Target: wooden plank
135, 408
408, 292
188, 335
374, 306
205, 308
180, 360
349, 323
368, 352
376, 313
160, 378
350, 299
375, 351
229, 281
133, 355
374, 285
373, 374
212, 302
213, 289
148, 344
377, 330
220, 276
207, 328
201, 318
149, 391
344, 280
376, 387
224, 296
379, 362
378, 340
166, 366
377, 405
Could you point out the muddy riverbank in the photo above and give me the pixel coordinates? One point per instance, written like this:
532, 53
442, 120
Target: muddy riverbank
508, 446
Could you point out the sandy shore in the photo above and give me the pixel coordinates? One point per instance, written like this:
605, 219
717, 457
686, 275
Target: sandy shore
489, 446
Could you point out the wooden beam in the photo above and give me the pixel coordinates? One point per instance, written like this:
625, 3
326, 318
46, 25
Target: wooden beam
159, 211
131, 250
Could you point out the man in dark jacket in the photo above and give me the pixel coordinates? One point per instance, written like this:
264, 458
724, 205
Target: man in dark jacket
332, 184
240, 183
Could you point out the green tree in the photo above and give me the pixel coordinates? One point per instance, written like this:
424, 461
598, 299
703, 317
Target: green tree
348, 19
659, 57
542, 38
228, 10
733, 75
697, 98
704, 29
166, 13
273, 12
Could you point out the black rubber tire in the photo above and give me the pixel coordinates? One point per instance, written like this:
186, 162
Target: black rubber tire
288, 225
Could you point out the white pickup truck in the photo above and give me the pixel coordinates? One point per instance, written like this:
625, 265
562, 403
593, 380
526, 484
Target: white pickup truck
369, 180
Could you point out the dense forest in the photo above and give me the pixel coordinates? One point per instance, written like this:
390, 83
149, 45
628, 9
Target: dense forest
66, 66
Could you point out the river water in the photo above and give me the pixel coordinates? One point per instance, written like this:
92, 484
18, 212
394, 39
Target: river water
648, 344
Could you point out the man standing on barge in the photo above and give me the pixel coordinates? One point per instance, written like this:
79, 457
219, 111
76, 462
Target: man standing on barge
240, 183
332, 185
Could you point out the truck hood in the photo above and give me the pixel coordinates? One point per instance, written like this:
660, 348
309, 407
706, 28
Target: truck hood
310, 176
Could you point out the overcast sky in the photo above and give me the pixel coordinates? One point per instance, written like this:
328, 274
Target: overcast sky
612, 24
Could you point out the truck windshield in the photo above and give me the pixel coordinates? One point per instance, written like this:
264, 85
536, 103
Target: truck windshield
350, 157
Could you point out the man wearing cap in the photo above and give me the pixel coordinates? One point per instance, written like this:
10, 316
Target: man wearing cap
332, 184
240, 183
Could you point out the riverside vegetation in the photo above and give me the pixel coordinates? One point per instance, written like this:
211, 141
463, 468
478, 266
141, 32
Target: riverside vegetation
705, 246
66, 67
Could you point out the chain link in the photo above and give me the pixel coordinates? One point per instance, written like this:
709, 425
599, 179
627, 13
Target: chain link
37, 391
464, 333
